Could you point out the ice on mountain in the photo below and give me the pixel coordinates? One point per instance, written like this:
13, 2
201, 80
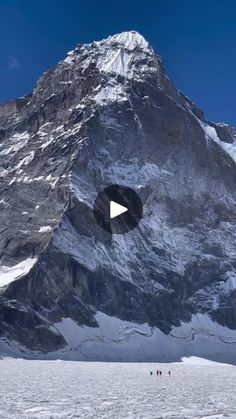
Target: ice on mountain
115, 62
69, 58
16, 142
230, 284
212, 134
116, 339
11, 273
129, 40
26, 160
45, 229
113, 93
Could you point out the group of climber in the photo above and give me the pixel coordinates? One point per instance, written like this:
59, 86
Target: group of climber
159, 372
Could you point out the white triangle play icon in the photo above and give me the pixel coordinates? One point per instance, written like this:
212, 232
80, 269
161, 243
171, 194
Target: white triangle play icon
116, 209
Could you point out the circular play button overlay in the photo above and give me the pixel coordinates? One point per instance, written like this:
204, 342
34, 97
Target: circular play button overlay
118, 209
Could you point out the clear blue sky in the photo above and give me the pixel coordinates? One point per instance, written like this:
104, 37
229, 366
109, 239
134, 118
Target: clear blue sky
196, 39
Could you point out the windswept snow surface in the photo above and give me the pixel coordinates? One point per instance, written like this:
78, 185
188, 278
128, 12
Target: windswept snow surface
11, 273
60, 389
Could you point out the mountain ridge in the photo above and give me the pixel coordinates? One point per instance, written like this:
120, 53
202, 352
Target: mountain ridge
107, 114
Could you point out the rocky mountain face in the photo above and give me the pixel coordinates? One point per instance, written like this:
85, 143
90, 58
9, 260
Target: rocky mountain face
108, 114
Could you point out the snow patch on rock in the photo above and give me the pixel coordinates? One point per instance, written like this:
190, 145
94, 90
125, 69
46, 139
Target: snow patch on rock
9, 274
212, 134
45, 229
230, 284
17, 142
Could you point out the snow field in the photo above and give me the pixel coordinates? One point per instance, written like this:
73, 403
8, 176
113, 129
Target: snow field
60, 389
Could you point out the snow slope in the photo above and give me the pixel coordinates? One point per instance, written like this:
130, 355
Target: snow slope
119, 340
9, 274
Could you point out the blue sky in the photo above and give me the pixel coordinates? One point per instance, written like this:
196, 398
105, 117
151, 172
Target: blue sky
196, 39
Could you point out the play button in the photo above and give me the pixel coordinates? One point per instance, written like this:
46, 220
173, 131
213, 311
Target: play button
118, 209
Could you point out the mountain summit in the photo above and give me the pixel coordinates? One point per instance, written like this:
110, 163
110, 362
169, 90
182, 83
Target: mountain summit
108, 114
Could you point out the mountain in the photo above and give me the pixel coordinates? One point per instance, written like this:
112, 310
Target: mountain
108, 114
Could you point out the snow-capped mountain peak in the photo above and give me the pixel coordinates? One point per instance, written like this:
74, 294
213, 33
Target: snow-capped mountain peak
121, 54
108, 114
130, 40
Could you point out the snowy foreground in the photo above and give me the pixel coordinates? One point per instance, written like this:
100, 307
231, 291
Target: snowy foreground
60, 389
